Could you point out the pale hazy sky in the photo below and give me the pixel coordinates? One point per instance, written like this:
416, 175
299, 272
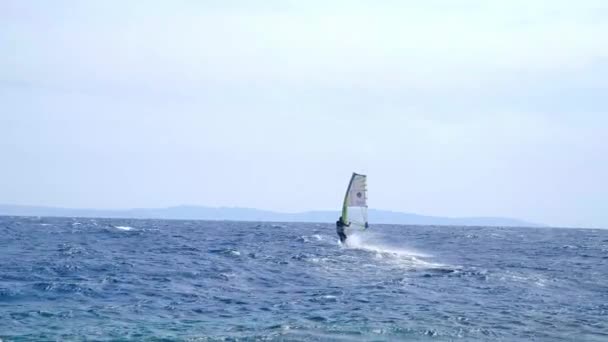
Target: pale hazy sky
452, 108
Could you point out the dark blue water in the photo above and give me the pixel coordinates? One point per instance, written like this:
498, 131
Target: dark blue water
101, 279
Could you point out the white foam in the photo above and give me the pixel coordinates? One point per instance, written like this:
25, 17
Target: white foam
531, 278
365, 242
313, 238
405, 257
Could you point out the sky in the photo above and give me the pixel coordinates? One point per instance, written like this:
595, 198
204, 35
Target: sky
452, 108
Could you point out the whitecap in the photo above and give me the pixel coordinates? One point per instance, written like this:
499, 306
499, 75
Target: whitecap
123, 227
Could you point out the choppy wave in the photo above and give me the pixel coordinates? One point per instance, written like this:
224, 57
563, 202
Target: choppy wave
79, 279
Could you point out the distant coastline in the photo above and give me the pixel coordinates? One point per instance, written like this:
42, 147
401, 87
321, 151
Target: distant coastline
250, 214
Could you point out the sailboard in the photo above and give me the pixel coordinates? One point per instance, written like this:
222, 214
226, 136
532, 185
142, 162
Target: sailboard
354, 207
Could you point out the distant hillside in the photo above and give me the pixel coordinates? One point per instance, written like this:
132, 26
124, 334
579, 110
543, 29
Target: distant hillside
248, 214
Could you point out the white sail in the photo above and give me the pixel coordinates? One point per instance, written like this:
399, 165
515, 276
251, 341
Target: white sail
354, 208
357, 192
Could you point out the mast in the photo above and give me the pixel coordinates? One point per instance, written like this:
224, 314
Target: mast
345, 204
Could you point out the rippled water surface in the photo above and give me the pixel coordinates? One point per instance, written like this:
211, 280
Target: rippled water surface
102, 279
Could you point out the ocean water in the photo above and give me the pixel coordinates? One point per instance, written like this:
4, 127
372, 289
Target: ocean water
104, 279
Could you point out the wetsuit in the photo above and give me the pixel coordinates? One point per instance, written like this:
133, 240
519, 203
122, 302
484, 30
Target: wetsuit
340, 229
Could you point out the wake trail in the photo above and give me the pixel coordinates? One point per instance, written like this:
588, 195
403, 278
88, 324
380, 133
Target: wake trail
370, 242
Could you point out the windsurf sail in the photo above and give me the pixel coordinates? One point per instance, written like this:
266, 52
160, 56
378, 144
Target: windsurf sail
354, 208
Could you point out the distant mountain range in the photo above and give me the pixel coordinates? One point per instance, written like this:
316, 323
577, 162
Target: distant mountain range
249, 214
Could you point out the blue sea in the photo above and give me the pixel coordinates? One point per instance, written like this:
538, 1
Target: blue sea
166, 280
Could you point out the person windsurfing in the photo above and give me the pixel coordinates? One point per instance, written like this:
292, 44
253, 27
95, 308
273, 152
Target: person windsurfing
354, 198
340, 225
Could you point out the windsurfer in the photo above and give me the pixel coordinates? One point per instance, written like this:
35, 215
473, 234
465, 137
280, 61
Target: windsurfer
340, 229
